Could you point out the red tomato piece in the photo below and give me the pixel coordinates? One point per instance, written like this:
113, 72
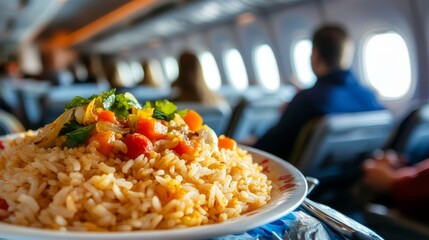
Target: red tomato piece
1, 145
185, 147
151, 128
137, 144
107, 116
3, 204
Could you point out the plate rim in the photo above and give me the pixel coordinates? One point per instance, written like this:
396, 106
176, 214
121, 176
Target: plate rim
207, 231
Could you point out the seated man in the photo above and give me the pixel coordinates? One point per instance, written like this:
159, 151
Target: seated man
335, 91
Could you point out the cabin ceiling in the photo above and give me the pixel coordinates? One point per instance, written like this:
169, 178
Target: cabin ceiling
21, 20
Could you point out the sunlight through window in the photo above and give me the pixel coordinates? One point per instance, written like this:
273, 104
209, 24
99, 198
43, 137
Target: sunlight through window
387, 66
171, 68
302, 63
235, 69
266, 67
210, 71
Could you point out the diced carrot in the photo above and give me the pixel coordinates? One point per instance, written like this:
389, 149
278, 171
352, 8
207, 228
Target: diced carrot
226, 142
185, 147
104, 139
151, 128
107, 116
193, 120
137, 144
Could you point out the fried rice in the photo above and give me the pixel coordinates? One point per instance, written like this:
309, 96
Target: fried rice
80, 189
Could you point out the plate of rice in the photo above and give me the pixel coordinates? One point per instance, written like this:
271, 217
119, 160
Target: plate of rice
110, 168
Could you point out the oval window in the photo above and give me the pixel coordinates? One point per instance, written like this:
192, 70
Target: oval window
235, 69
171, 68
387, 65
136, 71
302, 63
124, 76
266, 67
210, 71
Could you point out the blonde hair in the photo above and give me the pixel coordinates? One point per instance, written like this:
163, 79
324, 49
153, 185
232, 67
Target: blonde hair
190, 81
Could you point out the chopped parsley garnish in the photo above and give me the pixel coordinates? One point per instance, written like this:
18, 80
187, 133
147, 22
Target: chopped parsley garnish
118, 103
77, 101
108, 98
163, 109
120, 106
76, 133
182, 112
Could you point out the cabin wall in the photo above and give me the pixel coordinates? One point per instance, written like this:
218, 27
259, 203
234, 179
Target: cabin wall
282, 28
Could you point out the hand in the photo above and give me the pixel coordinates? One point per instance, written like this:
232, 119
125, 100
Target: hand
378, 175
389, 158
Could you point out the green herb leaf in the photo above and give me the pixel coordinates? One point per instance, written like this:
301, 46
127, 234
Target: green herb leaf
148, 104
182, 112
165, 106
159, 115
78, 136
70, 127
77, 101
76, 133
121, 106
108, 98
163, 109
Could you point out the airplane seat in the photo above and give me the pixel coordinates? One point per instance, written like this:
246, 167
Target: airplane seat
9, 124
54, 102
215, 116
254, 116
332, 148
231, 95
389, 224
411, 137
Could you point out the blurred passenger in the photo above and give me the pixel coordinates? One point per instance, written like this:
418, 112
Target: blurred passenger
406, 186
190, 83
335, 91
150, 78
10, 75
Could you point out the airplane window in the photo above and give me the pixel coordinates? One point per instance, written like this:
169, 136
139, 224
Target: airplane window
124, 75
171, 68
266, 67
302, 63
210, 71
136, 71
387, 65
155, 68
235, 69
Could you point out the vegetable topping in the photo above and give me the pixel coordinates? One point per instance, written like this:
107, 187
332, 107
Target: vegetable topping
111, 118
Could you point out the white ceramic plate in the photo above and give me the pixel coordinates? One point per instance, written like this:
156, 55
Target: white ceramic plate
289, 190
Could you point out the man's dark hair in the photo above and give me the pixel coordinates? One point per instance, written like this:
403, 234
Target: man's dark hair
330, 41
